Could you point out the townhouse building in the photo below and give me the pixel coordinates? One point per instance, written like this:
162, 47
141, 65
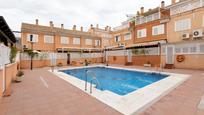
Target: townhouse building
160, 36
140, 37
50, 39
185, 46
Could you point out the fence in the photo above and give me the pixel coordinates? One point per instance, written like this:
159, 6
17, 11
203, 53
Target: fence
4, 55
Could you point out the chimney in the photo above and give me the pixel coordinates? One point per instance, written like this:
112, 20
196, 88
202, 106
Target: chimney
81, 28
106, 28
62, 26
162, 4
97, 26
142, 10
74, 27
51, 24
91, 26
109, 29
173, 1
36, 21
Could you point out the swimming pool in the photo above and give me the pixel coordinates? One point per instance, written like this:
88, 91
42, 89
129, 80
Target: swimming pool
118, 81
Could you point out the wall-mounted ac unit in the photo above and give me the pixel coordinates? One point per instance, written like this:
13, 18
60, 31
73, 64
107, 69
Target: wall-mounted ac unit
197, 33
121, 45
185, 36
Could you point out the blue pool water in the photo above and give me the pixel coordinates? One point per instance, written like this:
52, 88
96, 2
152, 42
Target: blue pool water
118, 81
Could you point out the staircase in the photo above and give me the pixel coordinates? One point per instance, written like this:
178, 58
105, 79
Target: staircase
169, 66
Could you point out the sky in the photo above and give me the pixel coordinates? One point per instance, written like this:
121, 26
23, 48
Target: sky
72, 12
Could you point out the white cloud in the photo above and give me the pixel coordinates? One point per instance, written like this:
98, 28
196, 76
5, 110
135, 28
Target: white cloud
70, 12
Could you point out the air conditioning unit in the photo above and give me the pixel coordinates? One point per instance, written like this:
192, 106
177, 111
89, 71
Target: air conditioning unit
198, 33
185, 36
121, 45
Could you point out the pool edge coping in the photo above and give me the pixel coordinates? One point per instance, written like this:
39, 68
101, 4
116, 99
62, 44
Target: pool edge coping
128, 104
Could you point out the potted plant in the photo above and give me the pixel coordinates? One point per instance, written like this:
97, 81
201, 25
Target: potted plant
86, 62
19, 76
148, 64
59, 64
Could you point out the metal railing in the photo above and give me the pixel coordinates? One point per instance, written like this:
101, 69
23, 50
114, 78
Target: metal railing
93, 78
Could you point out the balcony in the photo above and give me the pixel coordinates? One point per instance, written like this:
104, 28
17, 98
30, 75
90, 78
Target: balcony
149, 18
186, 6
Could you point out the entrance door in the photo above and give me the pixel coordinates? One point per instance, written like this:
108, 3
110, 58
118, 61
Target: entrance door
68, 59
170, 55
129, 57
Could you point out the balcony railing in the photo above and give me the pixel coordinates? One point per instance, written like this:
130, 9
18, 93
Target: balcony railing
141, 19
186, 6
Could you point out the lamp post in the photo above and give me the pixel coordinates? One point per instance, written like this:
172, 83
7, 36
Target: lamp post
31, 57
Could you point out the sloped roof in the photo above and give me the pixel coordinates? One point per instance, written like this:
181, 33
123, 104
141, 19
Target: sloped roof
6, 35
54, 30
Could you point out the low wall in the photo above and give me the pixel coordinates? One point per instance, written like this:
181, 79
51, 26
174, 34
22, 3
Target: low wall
93, 60
10, 72
117, 60
140, 60
192, 61
25, 64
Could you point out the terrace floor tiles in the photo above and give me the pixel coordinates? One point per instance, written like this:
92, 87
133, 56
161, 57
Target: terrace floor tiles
60, 97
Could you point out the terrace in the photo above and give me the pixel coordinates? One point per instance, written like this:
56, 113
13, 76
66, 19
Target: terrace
42, 93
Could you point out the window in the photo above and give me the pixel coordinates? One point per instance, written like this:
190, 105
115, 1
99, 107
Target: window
178, 50
64, 40
185, 49
163, 50
158, 30
127, 36
117, 38
48, 39
193, 49
141, 33
97, 42
33, 37
88, 41
76, 41
201, 48
184, 24
203, 20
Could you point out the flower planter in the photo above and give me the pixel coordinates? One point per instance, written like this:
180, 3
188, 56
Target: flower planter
147, 65
19, 78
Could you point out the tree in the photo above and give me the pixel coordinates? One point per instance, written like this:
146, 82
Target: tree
13, 53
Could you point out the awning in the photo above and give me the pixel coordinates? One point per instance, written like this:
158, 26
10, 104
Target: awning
6, 35
76, 49
146, 44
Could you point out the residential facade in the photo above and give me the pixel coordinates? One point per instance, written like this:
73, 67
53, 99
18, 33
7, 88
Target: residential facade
156, 36
51, 39
185, 35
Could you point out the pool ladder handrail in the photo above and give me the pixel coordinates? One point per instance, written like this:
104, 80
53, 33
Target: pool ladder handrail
93, 76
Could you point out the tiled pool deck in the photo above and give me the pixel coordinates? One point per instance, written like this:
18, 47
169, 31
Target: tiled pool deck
41, 93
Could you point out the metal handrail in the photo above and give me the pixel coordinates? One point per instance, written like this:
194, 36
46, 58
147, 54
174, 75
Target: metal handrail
93, 75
